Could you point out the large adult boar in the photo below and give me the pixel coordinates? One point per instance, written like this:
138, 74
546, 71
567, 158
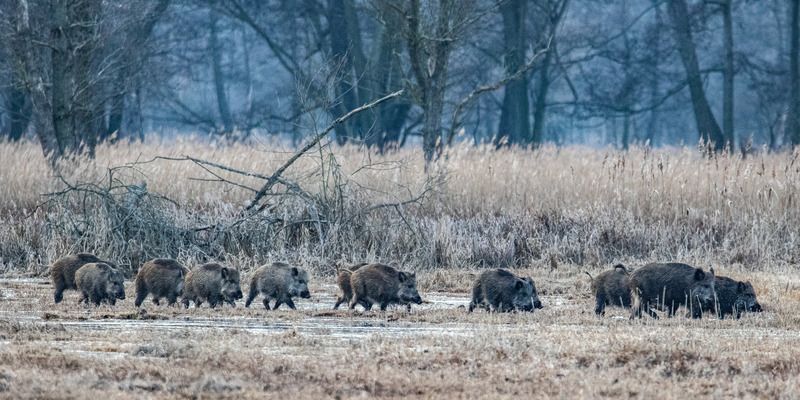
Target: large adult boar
382, 284
733, 297
62, 272
500, 290
161, 277
280, 282
611, 289
99, 282
668, 286
212, 283
343, 281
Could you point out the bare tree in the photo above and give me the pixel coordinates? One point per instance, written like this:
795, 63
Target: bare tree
552, 12
794, 73
706, 123
430, 36
219, 78
515, 113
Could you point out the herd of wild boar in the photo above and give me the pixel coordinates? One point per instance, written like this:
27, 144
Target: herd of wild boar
658, 286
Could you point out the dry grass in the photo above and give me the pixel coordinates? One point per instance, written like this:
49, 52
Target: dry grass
436, 351
495, 208
550, 214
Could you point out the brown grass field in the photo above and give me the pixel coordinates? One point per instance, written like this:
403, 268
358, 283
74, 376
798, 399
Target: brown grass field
552, 214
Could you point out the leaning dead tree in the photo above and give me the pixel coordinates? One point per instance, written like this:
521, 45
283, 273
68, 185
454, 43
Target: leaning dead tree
327, 206
261, 195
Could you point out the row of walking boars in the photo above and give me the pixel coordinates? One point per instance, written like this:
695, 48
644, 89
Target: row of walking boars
664, 287
668, 286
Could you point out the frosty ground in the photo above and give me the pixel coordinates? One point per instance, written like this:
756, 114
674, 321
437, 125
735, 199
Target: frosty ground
437, 350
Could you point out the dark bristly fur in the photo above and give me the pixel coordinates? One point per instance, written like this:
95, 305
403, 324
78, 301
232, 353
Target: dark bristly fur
63, 271
279, 282
500, 290
99, 282
382, 284
213, 283
669, 286
343, 281
161, 277
610, 288
733, 298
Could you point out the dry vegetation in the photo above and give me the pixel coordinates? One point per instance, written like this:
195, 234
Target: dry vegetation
552, 214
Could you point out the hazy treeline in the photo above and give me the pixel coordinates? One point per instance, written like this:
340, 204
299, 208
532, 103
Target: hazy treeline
76, 72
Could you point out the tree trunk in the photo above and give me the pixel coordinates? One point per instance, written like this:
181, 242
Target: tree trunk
728, 75
117, 109
653, 125
18, 108
219, 78
514, 118
386, 78
540, 106
794, 55
430, 70
341, 15
86, 127
66, 138
707, 125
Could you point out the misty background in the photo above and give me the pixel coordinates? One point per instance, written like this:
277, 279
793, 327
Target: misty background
74, 73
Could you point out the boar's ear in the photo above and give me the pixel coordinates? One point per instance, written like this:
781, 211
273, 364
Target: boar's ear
519, 285
712, 271
402, 276
224, 272
699, 275
295, 272
741, 287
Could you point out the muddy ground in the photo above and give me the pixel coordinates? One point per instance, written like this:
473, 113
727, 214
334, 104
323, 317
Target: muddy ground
437, 350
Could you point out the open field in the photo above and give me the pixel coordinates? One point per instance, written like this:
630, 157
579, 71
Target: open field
438, 350
550, 214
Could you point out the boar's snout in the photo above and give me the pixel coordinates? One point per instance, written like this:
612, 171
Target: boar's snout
238, 295
415, 298
527, 307
756, 308
305, 294
538, 304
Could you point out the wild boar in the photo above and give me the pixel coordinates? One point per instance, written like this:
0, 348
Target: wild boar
278, 281
213, 283
382, 284
669, 286
62, 272
500, 290
733, 297
99, 282
610, 288
343, 281
161, 277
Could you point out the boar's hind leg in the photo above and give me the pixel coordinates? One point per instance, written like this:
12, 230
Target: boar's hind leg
172, 299
290, 303
339, 301
96, 298
58, 295
252, 295
266, 302
600, 304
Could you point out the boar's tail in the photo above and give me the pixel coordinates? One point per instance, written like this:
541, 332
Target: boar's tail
589, 275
